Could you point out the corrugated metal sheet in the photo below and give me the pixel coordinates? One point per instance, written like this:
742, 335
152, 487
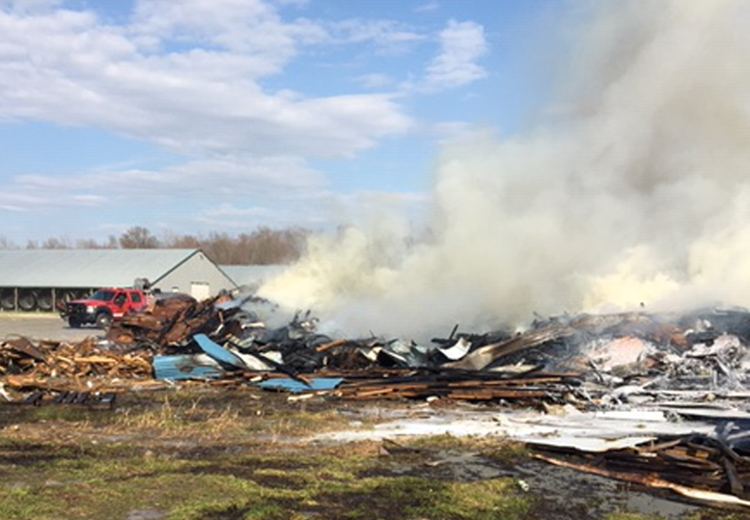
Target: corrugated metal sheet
252, 275
87, 267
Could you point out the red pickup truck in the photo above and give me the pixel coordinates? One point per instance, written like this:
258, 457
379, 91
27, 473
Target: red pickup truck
102, 307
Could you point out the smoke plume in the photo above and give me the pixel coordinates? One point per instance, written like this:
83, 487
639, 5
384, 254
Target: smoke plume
635, 190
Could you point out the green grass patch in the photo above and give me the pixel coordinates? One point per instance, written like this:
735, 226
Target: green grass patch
52, 482
208, 454
496, 448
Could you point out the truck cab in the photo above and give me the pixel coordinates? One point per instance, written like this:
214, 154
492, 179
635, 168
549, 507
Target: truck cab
103, 307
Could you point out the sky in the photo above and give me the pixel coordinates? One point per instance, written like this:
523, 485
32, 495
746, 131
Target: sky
194, 116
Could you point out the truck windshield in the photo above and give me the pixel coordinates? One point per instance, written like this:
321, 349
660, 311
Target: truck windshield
104, 296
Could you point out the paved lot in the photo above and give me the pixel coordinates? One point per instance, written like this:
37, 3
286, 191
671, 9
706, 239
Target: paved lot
42, 326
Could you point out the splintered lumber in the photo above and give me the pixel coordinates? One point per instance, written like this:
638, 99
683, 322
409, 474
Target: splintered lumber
334, 344
482, 394
698, 466
477, 393
97, 359
170, 321
25, 347
484, 356
653, 480
56, 366
462, 385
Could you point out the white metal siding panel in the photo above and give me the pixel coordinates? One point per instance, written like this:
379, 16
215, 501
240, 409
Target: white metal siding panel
86, 268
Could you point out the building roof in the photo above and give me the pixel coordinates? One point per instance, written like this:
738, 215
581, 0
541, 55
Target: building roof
87, 267
251, 275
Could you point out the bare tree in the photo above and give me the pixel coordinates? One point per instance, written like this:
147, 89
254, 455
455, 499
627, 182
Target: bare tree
5, 243
267, 246
90, 243
263, 246
138, 237
56, 243
181, 242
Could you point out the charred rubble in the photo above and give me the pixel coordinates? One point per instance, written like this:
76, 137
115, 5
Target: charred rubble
690, 370
588, 360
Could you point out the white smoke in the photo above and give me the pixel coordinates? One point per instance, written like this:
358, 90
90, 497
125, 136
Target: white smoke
639, 194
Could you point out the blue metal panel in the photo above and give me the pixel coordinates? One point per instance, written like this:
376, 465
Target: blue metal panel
218, 352
184, 367
297, 387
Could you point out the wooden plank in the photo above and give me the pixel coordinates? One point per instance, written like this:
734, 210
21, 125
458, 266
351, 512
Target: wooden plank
652, 480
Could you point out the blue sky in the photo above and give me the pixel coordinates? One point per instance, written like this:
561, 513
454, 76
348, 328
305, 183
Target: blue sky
191, 116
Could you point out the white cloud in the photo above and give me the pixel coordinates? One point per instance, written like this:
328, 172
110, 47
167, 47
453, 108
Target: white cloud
29, 5
230, 210
192, 76
452, 131
427, 7
462, 44
207, 181
376, 80
196, 197
71, 69
295, 3
386, 35
314, 209
250, 27
228, 216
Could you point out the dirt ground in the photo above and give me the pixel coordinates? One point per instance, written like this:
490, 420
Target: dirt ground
42, 326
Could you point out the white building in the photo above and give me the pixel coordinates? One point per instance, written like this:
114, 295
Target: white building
39, 278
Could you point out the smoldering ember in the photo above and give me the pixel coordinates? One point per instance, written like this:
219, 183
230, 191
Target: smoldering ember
653, 399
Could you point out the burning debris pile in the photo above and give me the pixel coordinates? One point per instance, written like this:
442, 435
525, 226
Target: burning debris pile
590, 360
693, 368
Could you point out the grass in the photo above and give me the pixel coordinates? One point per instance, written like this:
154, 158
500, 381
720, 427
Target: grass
492, 447
51, 482
208, 454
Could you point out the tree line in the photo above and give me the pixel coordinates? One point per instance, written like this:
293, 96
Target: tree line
264, 246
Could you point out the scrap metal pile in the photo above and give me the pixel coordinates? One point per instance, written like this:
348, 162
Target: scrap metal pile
689, 369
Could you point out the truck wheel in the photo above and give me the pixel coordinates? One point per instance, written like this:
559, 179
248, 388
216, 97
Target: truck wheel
74, 323
103, 320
